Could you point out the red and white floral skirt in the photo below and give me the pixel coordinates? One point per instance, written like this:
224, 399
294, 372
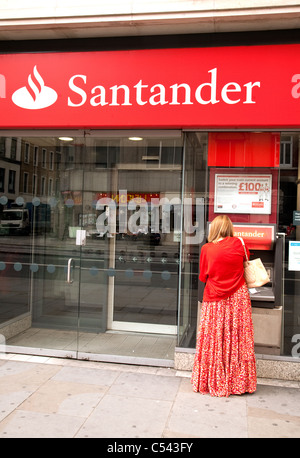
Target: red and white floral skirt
225, 361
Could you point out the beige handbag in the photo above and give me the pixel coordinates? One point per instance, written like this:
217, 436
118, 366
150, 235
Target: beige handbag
254, 271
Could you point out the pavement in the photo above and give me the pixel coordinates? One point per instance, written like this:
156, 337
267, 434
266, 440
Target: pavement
43, 397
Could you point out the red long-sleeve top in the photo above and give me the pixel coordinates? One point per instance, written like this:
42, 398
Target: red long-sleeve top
221, 268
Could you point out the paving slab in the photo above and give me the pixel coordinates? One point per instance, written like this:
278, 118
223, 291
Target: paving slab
28, 424
62, 398
146, 386
121, 416
198, 415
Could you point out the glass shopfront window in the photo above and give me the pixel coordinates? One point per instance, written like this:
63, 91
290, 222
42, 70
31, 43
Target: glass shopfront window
90, 244
100, 238
289, 224
253, 177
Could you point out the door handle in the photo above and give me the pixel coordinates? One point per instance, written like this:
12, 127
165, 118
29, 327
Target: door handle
69, 280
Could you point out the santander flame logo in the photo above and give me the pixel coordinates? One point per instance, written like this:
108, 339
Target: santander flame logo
35, 95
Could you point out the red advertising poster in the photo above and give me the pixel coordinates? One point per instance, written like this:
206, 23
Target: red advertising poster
229, 87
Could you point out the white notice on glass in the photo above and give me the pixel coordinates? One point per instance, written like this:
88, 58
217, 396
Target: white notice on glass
251, 194
80, 237
294, 255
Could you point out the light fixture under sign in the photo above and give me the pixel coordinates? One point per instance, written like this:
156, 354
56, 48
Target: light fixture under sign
66, 139
150, 158
135, 139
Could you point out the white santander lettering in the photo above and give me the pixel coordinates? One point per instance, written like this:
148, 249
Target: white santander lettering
77, 90
115, 89
139, 86
2, 87
98, 99
161, 95
209, 92
187, 100
235, 87
249, 92
296, 88
213, 89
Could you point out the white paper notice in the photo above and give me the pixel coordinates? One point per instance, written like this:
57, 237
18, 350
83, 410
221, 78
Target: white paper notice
251, 194
80, 237
294, 255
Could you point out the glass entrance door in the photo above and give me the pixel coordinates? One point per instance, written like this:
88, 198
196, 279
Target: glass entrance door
90, 232
53, 280
69, 294
66, 296
148, 185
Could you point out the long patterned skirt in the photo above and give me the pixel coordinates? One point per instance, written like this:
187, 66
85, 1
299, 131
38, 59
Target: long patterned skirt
225, 361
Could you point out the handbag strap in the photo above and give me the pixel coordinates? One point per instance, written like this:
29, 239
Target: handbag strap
243, 243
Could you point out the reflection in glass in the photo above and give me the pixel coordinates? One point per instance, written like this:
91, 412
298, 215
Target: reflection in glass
71, 263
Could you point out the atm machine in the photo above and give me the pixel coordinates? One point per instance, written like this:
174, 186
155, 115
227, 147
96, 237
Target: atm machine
243, 170
272, 255
243, 183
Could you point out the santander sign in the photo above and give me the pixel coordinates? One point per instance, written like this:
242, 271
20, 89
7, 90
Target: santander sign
158, 94
230, 87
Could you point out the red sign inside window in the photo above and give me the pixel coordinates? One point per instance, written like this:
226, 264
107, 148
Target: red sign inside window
244, 149
256, 237
229, 87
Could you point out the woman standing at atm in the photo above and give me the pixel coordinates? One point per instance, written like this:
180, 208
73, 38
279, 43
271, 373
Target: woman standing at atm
224, 361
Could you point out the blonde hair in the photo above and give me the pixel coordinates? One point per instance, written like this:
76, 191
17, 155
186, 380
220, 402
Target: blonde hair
220, 227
